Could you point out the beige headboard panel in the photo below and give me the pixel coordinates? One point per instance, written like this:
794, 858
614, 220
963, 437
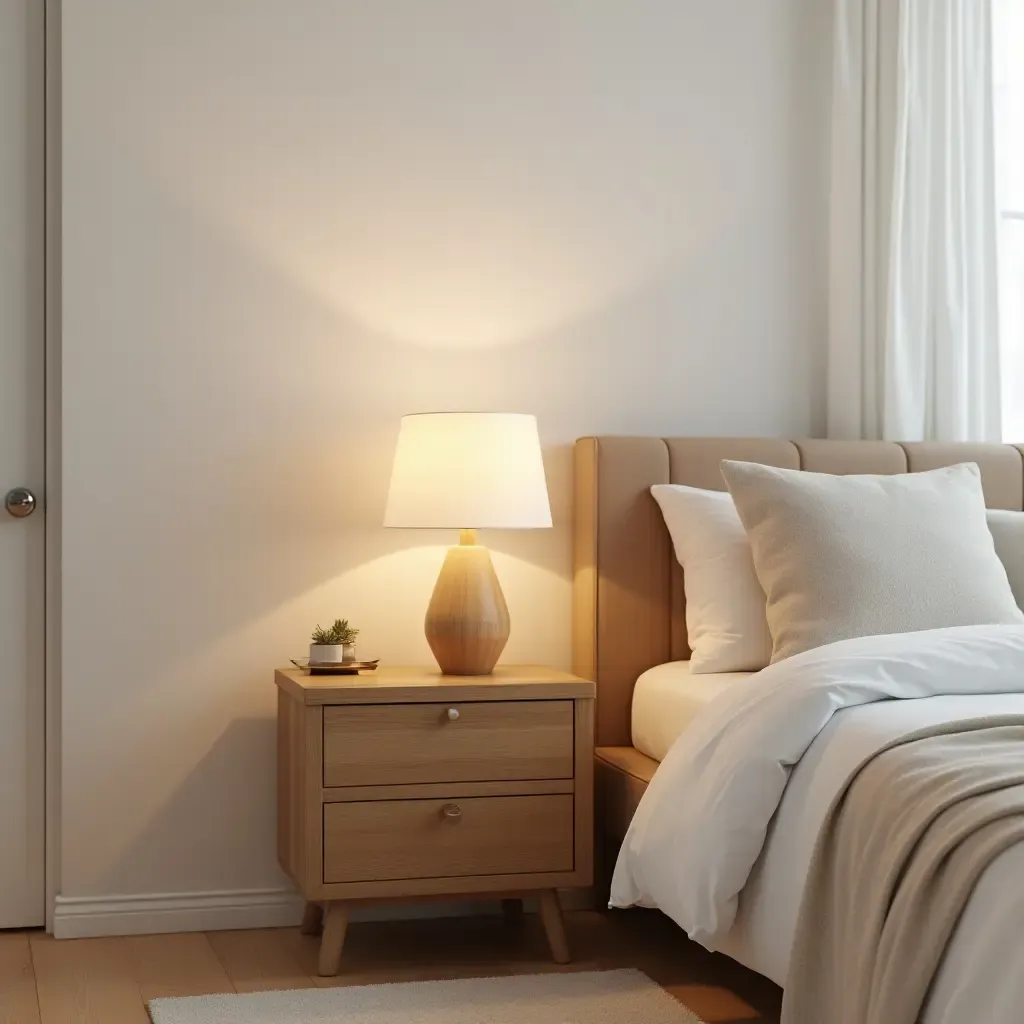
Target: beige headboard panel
629, 612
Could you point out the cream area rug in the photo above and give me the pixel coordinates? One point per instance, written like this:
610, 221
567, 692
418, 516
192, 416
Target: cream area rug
590, 997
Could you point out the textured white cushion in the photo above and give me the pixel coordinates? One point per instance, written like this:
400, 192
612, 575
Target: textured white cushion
849, 556
1007, 530
725, 605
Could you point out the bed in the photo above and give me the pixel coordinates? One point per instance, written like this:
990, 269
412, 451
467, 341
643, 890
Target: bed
629, 618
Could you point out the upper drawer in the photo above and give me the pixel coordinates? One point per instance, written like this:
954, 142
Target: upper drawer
401, 744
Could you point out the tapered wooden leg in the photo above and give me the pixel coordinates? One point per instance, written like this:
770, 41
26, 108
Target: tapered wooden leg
554, 926
335, 925
512, 911
312, 919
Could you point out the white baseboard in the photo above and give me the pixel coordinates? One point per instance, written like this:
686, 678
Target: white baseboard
81, 917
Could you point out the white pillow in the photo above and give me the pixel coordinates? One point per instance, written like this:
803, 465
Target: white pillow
849, 556
1007, 530
725, 605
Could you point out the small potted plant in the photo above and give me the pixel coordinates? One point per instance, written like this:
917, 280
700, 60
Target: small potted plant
334, 645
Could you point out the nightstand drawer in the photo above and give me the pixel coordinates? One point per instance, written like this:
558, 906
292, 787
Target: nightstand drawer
401, 744
499, 835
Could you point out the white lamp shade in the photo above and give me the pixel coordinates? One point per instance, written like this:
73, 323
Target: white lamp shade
468, 470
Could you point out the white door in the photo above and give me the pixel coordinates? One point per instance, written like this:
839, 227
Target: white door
22, 540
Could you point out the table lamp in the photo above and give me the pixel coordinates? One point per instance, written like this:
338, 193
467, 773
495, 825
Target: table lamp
467, 471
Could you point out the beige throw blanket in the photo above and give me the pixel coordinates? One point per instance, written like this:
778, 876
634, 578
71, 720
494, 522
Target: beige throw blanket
896, 861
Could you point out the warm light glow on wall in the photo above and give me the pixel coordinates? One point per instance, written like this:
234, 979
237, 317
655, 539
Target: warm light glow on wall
502, 219
456, 270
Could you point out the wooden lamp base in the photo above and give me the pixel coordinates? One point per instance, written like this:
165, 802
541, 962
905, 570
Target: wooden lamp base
467, 620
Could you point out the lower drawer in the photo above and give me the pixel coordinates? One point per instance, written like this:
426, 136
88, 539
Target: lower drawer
494, 835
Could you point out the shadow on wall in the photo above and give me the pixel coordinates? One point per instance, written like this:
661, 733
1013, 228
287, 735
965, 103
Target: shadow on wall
200, 839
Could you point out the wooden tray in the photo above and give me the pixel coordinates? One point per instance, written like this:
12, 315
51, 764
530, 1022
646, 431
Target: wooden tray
334, 668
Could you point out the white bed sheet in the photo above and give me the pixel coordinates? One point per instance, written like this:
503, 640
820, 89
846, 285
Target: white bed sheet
668, 697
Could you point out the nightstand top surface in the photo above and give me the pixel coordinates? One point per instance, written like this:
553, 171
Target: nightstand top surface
391, 684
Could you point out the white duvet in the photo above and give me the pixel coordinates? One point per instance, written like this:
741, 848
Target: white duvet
701, 827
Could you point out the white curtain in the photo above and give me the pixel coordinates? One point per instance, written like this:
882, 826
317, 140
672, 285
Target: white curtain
914, 306
1009, 36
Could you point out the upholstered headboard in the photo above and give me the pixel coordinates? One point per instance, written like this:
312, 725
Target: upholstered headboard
629, 612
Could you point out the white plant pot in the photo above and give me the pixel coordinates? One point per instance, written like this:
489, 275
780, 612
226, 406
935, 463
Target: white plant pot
332, 654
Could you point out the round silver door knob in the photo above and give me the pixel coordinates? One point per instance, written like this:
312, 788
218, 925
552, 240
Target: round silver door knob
453, 714
20, 502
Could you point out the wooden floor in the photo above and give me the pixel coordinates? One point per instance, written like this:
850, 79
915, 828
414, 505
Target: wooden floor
108, 981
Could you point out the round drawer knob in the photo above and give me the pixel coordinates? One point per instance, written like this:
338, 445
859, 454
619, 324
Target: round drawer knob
453, 714
452, 812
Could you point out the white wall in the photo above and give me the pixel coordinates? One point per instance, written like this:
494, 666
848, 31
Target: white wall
286, 224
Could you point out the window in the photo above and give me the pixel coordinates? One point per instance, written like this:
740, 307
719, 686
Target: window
1009, 97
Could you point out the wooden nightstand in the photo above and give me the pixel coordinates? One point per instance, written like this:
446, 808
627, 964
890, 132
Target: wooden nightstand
405, 784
